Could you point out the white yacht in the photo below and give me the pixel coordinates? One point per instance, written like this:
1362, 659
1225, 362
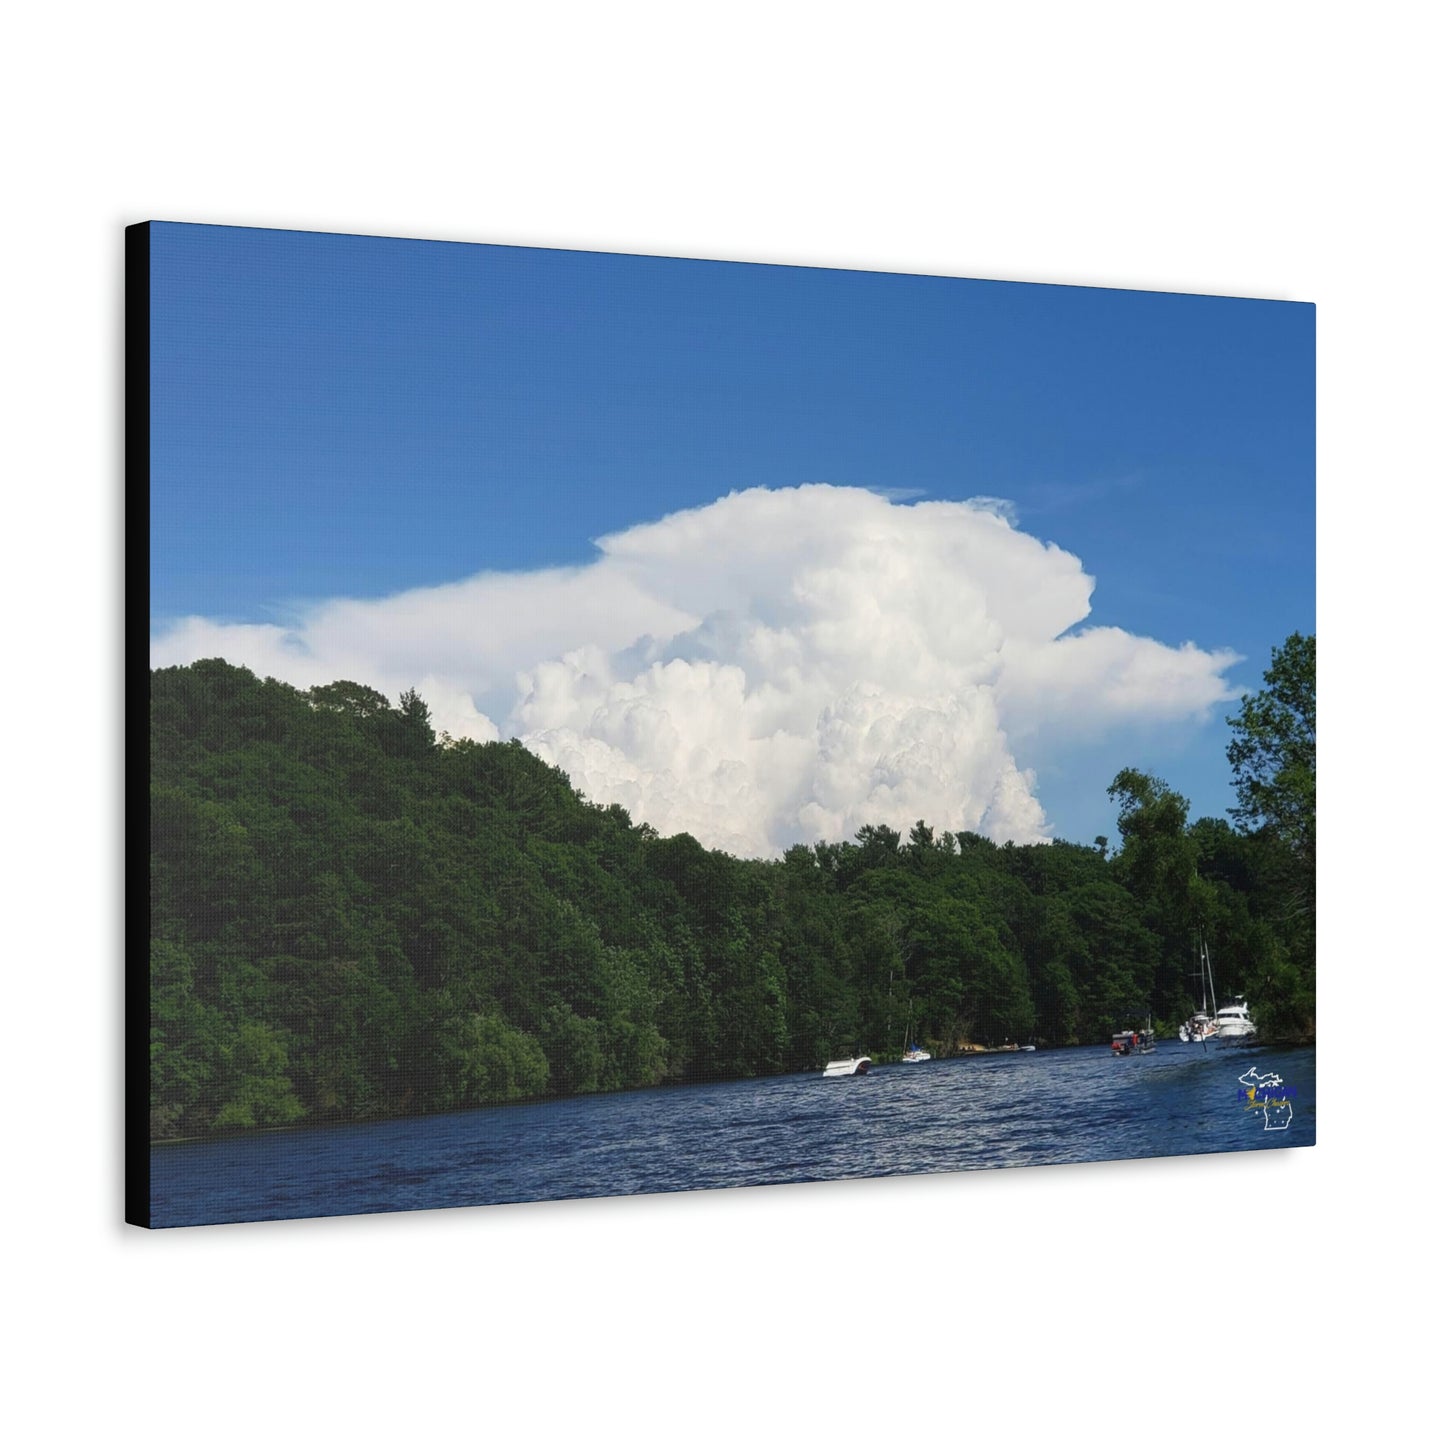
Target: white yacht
842, 1068
1233, 1023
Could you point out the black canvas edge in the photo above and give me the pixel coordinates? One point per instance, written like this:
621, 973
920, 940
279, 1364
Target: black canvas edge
135, 709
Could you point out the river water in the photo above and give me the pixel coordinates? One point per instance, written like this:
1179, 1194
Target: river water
1051, 1107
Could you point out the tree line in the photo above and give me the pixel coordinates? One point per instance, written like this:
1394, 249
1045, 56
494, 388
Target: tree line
353, 918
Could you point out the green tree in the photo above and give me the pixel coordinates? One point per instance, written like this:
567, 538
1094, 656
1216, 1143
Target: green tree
1158, 862
252, 1084
1273, 757
1273, 750
353, 699
415, 729
1157, 858
495, 1062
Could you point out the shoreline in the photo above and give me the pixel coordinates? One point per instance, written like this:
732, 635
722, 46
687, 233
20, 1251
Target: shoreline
979, 1051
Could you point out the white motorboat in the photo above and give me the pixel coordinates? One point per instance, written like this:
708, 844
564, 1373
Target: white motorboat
1233, 1023
844, 1068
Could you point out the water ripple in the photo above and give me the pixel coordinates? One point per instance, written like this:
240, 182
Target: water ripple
1056, 1107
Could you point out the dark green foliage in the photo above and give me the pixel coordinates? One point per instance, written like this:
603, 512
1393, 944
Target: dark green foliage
353, 919
1273, 749
1273, 757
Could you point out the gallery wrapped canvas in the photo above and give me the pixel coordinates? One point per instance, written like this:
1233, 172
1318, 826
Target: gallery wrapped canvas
619, 724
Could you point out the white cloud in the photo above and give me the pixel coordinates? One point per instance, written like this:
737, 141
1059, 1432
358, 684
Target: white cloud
775, 666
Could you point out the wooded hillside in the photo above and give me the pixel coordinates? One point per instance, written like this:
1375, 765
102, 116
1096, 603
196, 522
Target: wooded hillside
351, 918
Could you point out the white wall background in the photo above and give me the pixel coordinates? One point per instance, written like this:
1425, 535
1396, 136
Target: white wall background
1284, 150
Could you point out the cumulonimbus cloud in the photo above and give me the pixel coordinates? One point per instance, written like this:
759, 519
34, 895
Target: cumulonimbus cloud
776, 666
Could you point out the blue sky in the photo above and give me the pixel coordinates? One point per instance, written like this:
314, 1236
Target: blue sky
338, 416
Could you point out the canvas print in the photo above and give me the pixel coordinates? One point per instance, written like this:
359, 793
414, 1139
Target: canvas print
620, 724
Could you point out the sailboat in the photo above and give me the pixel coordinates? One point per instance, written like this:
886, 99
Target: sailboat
1199, 1028
1228, 1025
912, 1053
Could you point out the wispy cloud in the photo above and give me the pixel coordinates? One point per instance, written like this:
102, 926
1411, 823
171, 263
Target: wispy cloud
773, 667
899, 494
1045, 498
999, 506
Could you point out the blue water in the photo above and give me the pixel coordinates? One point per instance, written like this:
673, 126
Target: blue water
1051, 1107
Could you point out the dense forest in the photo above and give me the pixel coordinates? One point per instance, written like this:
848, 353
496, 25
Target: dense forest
353, 918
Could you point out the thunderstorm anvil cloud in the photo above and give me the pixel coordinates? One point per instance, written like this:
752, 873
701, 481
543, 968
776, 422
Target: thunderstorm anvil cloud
777, 666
